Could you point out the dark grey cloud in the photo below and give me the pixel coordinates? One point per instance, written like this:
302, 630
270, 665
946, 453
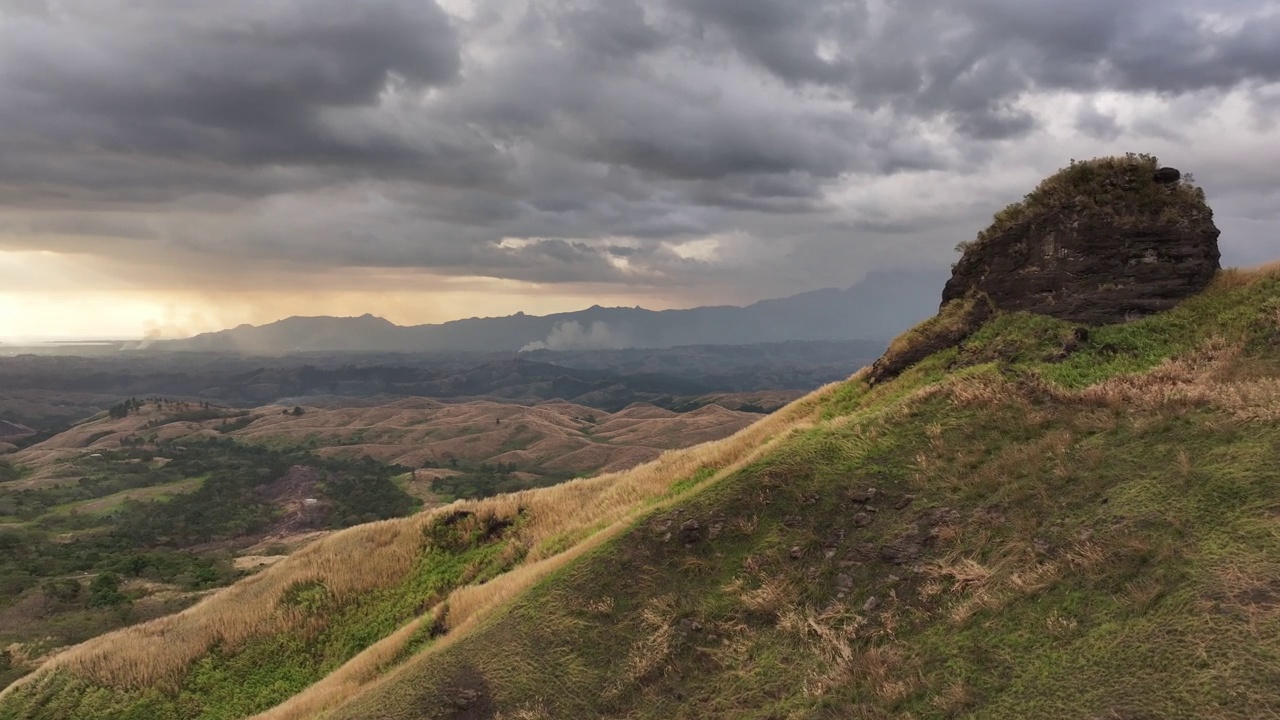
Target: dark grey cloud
589, 140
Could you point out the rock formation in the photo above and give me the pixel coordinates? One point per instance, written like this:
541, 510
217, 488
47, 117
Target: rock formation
1100, 242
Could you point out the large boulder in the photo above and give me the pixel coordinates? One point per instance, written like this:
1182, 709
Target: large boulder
1101, 241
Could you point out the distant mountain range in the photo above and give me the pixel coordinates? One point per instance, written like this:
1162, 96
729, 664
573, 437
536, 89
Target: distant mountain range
877, 308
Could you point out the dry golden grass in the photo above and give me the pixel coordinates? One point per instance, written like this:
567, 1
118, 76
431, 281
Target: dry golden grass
158, 653
650, 652
1014, 572
548, 437
955, 698
1189, 380
1237, 278
470, 604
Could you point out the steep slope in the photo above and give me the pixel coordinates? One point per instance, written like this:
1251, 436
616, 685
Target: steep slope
170, 497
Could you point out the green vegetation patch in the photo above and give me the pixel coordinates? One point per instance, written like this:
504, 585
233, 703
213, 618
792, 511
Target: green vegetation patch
171, 524
1123, 188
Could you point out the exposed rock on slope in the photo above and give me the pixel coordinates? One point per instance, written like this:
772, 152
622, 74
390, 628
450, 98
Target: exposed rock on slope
1100, 242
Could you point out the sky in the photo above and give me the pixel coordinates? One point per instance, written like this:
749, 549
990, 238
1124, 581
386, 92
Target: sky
171, 168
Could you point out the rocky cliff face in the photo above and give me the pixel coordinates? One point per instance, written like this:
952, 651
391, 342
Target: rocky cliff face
1102, 241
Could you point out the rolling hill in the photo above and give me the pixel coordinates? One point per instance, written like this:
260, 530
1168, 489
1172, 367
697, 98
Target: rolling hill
556, 437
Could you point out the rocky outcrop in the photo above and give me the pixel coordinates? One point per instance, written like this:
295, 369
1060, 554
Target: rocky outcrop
1102, 241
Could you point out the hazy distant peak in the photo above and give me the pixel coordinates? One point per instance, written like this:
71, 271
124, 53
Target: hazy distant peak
877, 308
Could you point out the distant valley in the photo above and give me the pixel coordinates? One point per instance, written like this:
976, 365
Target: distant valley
46, 393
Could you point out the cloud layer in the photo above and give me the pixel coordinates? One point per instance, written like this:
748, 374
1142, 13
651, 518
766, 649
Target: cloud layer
766, 144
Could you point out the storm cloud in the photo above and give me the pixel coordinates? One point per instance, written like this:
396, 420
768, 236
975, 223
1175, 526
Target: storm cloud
775, 145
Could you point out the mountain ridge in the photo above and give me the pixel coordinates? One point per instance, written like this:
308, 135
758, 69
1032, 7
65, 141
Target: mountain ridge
878, 307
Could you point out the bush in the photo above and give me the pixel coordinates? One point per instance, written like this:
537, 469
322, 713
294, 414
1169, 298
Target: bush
63, 590
104, 591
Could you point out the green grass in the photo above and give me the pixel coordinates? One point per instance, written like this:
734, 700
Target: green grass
112, 503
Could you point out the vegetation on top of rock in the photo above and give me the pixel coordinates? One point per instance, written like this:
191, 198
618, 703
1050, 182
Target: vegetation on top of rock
1121, 188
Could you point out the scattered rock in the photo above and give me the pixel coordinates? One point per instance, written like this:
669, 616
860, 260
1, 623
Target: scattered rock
863, 496
870, 508
714, 530
902, 550
832, 542
861, 519
690, 625
796, 553
1166, 176
989, 515
871, 604
864, 552
935, 517
843, 581
904, 501
690, 532
464, 698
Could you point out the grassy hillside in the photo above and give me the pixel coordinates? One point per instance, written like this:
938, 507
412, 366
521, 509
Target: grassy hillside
266, 638
1039, 522
1029, 525
163, 501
